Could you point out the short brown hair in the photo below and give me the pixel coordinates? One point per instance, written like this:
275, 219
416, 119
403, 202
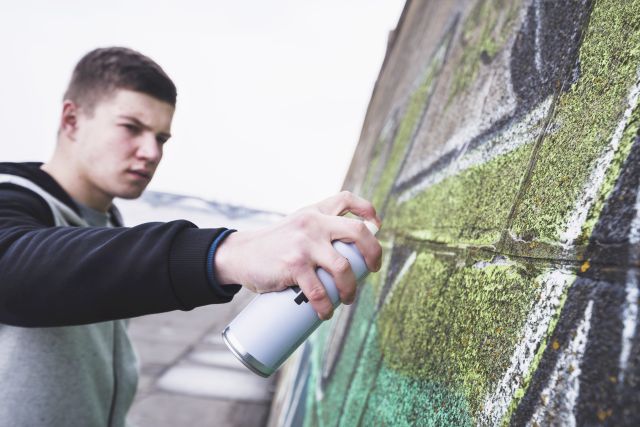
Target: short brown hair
104, 70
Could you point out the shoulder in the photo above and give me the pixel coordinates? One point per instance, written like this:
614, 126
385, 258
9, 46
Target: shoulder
20, 203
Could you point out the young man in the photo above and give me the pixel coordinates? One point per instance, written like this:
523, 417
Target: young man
69, 272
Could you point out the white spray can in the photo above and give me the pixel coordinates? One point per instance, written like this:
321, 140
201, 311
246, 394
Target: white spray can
274, 324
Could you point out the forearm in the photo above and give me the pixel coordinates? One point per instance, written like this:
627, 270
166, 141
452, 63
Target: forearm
57, 276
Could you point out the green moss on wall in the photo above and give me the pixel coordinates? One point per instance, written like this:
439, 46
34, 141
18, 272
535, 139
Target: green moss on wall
469, 208
402, 401
408, 125
416, 106
451, 324
311, 404
363, 380
329, 408
340, 381
374, 169
383, 397
584, 120
376, 281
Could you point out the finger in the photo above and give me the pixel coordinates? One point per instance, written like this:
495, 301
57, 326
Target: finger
354, 230
316, 293
340, 270
344, 202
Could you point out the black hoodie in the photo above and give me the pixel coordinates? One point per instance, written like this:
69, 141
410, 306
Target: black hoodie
60, 276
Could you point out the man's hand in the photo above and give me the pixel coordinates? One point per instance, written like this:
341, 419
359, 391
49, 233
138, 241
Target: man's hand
289, 252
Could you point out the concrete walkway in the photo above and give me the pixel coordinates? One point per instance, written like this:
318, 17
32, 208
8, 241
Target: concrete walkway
189, 377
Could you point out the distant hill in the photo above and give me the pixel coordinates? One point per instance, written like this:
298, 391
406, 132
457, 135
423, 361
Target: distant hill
157, 206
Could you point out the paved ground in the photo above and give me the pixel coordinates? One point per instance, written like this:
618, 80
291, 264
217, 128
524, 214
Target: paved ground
189, 377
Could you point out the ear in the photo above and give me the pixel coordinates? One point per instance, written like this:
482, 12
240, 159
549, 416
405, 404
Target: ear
69, 119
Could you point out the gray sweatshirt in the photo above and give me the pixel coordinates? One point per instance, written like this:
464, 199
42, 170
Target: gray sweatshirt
66, 376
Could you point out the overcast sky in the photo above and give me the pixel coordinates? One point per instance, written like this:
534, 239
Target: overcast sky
271, 94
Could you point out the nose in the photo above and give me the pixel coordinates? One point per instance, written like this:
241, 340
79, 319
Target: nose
149, 149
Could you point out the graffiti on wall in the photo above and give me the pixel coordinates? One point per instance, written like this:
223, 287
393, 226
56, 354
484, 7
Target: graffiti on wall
502, 150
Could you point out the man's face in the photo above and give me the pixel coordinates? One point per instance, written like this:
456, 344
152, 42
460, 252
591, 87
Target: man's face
119, 146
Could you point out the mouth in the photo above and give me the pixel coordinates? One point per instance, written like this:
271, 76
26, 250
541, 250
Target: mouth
142, 174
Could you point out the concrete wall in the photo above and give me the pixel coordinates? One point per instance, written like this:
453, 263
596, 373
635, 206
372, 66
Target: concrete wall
502, 150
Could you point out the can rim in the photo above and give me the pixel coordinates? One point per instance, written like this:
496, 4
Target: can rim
244, 356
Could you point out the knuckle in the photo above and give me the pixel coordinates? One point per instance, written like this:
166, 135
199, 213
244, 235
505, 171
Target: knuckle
361, 228
305, 220
341, 265
301, 220
295, 261
299, 262
370, 211
346, 195
317, 294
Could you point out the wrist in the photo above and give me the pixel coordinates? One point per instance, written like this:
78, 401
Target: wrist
223, 263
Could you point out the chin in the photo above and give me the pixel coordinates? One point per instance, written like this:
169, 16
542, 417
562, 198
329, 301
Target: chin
130, 193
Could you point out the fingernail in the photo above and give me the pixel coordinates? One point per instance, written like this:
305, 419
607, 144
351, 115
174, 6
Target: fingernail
324, 316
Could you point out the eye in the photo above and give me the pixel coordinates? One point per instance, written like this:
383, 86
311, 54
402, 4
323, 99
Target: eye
131, 128
162, 139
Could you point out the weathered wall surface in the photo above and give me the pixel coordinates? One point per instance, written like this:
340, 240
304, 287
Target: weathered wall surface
502, 150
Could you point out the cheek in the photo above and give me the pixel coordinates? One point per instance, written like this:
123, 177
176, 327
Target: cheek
118, 145
108, 155
123, 149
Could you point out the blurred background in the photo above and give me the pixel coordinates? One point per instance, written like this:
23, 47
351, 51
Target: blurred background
271, 100
271, 94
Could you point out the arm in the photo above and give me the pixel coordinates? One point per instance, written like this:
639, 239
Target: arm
56, 276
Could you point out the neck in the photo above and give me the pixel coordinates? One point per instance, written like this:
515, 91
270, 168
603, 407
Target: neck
76, 184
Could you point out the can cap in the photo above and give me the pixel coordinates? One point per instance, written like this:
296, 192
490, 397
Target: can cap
372, 227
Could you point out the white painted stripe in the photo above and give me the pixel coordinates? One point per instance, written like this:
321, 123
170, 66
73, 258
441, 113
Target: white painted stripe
630, 308
516, 135
538, 46
497, 261
634, 230
596, 178
536, 327
405, 268
558, 399
629, 322
539, 318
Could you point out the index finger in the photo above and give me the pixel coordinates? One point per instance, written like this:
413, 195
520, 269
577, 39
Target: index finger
346, 201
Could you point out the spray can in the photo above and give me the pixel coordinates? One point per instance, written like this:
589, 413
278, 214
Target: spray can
274, 324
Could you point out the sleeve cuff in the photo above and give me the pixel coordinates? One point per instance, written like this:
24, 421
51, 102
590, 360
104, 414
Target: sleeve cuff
224, 290
189, 269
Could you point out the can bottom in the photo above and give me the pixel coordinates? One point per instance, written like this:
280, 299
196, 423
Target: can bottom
244, 356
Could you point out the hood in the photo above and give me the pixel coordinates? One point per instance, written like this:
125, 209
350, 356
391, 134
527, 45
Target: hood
32, 172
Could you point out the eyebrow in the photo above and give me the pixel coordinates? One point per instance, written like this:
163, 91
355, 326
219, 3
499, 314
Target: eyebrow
143, 125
